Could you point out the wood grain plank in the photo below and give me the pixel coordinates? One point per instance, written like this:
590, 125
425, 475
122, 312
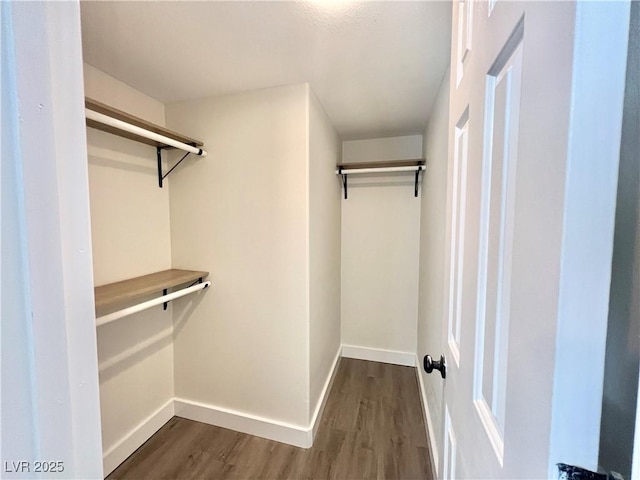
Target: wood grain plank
382, 164
133, 120
119, 293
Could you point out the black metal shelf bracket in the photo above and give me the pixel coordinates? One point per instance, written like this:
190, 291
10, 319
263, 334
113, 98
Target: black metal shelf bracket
164, 292
161, 177
344, 181
419, 170
415, 189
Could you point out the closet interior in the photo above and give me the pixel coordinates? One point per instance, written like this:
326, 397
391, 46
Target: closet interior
280, 243
238, 236
308, 242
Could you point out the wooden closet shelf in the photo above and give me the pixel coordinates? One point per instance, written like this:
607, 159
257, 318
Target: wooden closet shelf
138, 122
118, 293
383, 164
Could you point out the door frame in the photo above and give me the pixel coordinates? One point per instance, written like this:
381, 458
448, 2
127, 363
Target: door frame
599, 69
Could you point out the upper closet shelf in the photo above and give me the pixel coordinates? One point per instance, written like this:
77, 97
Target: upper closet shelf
111, 120
417, 166
119, 293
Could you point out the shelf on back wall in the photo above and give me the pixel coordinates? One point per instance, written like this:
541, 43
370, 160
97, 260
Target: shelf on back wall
415, 166
126, 291
418, 162
104, 109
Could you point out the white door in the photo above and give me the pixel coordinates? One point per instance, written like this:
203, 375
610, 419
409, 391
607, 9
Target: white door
515, 90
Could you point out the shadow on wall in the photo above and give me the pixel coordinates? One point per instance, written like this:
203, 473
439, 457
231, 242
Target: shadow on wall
106, 151
186, 307
104, 161
134, 351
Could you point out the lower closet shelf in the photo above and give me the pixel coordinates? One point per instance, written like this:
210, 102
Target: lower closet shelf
112, 295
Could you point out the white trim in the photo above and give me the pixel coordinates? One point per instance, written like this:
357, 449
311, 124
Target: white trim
322, 401
51, 396
220, 417
450, 447
457, 234
464, 34
491, 428
428, 421
507, 71
272, 429
379, 355
601, 41
128, 444
269, 428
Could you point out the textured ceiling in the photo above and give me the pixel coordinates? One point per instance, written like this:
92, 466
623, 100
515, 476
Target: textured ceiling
375, 66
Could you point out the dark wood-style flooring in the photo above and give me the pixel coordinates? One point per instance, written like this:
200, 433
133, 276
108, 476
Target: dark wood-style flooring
372, 427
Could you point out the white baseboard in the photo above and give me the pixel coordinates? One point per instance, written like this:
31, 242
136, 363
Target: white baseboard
428, 420
295, 435
322, 401
222, 417
379, 355
244, 422
119, 452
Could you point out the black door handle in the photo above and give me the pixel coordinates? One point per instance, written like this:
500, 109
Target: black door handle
430, 365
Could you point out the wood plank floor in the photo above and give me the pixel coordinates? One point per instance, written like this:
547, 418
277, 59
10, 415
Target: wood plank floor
372, 428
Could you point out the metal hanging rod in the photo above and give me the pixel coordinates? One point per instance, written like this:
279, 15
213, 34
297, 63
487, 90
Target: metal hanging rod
350, 171
127, 127
110, 317
119, 127
378, 170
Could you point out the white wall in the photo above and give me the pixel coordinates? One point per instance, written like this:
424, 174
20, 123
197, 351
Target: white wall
324, 249
380, 248
131, 237
130, 214
407, 147
262, 214
242, 214
50, 408
432, 260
